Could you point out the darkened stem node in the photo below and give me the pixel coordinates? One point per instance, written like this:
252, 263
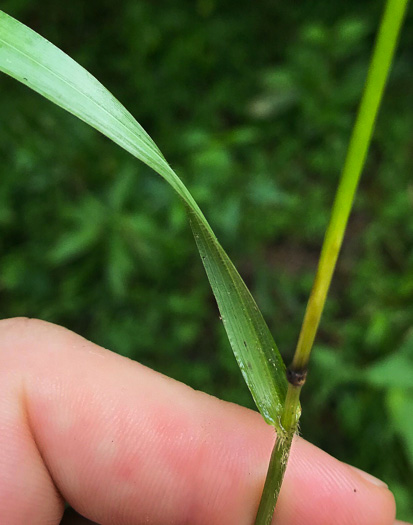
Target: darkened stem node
296, 377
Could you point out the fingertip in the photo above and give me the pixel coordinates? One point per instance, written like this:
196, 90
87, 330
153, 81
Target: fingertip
320, 489
368, 477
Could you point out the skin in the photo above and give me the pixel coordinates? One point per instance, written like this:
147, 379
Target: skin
125, 445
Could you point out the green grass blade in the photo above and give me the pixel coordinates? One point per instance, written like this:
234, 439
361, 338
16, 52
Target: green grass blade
40, 65
254, 348
31, 59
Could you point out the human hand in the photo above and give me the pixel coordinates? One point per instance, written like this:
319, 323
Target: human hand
126, 445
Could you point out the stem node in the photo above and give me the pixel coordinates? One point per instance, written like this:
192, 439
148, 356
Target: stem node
296, 377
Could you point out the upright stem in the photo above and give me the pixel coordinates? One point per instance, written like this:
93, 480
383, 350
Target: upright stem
355, 159
356, 156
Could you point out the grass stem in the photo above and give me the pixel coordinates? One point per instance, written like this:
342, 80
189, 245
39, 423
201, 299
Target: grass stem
353, 166
356, 156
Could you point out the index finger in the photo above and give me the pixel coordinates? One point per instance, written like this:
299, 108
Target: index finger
126, 445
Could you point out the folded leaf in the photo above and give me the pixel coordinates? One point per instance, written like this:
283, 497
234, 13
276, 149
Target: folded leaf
40, 65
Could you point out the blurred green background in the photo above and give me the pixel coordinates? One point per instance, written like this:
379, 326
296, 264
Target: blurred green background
252, 103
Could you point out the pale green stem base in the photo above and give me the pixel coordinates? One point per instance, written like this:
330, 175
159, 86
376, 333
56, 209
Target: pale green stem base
273, 481
279, 457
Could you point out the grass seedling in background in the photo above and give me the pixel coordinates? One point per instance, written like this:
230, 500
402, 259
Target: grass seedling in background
35, 62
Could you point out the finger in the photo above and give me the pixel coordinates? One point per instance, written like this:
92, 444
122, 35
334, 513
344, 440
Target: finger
124, 444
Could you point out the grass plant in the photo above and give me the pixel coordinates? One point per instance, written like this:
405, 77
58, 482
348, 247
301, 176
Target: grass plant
40, 65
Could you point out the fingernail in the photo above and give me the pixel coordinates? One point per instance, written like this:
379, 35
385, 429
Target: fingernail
371, 479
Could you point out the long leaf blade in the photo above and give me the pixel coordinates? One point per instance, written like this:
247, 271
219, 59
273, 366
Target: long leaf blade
37, 63
253, 345
40, 65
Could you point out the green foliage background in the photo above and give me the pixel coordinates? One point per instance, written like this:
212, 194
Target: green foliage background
253, 104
